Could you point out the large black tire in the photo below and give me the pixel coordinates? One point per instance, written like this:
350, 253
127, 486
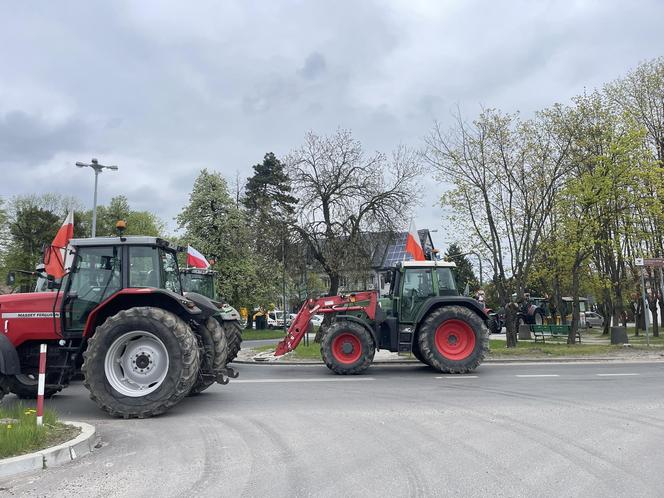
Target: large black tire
4, 386
233, 332
213, 352
347, 348
417, 353
454, 339
179, 345
25, 386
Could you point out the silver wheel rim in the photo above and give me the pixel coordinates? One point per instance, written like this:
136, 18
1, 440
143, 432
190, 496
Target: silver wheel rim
136, 364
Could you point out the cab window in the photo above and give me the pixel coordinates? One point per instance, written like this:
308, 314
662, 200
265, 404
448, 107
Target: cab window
446, 283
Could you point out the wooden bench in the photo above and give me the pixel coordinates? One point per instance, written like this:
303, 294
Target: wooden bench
556, 332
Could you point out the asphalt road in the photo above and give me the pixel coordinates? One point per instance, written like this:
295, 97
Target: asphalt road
399, 430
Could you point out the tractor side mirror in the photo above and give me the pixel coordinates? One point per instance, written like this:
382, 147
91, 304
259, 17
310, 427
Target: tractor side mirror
388, 277
11, 279
51, 283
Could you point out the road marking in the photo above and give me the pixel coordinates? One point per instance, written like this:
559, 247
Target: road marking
458, 377
539, 375
322, 379
617, 375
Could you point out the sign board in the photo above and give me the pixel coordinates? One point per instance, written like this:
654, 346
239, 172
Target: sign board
651, 262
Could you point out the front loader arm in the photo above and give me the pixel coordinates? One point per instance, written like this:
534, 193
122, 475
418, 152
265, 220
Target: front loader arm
324, 305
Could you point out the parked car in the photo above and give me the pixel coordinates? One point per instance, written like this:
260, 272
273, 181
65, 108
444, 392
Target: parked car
594, 319
317, 320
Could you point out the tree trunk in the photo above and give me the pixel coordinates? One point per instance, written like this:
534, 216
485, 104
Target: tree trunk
652, 304
511, 324
571, 338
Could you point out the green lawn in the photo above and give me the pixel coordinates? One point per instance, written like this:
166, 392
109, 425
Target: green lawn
254, 335
633, 339
20, 434
526, 349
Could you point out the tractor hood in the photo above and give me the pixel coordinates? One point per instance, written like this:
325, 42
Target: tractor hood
28, 302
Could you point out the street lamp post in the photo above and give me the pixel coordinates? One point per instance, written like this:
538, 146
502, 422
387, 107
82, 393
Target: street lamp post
94, 164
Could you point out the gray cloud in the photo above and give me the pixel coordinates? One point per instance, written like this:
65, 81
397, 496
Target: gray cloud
314, 66
30, 139
164, 89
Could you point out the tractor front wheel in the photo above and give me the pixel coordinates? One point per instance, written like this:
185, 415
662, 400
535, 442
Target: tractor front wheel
140, 362
213, 353
454, 339
25, 386
233, 332
347, 348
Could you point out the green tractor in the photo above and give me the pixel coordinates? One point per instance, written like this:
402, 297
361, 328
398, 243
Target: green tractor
202, 281
423, 315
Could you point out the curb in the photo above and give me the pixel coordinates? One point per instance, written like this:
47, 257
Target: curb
54, 456
498, 361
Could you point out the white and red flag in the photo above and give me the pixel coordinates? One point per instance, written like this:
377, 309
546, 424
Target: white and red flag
55, 257
413, 244
195, 259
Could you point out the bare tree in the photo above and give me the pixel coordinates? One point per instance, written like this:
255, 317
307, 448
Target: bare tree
344, 193
505, 173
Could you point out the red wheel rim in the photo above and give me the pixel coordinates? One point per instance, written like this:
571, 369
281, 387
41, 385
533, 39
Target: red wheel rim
455, 339
346, 348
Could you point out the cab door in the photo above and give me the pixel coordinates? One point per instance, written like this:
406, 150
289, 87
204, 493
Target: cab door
416, 289
95, 276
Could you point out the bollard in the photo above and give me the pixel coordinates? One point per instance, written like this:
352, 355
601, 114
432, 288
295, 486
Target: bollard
41, 385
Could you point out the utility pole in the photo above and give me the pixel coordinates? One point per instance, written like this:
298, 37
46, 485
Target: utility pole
94, 164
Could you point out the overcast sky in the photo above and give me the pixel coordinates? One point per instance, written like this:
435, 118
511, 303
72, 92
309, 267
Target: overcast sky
163, 89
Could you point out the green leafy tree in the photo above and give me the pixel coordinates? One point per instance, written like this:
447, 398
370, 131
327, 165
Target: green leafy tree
464, 268
214, 225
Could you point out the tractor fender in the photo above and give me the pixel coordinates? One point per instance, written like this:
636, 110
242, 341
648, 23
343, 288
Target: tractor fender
127, 298
9, 362
364, 323
224, 311
466, 302
228, 313
203, 302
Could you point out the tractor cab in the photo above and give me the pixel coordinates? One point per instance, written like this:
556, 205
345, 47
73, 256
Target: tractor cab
415, 282
103, 266
199, 280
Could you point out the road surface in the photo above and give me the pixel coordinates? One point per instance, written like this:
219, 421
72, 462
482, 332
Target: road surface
399, 430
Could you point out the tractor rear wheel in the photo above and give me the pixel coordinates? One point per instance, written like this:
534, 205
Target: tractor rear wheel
347, 348
233, 331
140, 362
454, 339
213, 353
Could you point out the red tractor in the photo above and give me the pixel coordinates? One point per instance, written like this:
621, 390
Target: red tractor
120, 318
423, 315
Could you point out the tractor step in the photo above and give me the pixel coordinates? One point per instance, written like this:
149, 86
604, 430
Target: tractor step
405, 340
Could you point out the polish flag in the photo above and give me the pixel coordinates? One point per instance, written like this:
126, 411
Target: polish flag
55, 256
413, 244
195, 259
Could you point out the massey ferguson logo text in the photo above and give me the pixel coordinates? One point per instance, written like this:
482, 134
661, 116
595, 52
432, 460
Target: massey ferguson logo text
34, 314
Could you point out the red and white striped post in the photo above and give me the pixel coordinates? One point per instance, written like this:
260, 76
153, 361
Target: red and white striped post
41, 385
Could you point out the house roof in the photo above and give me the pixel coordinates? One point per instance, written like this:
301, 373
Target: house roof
391, 248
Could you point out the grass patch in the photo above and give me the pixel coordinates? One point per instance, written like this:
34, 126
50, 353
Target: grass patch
639, 340
19, 433
257, 335
550, 349
302, 352
526, 349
